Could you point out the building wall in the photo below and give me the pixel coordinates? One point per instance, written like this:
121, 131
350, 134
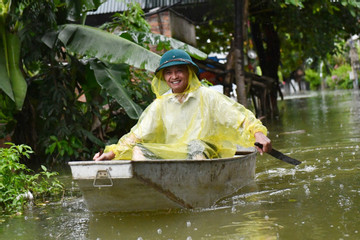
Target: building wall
182, 29
160, 23
170, 24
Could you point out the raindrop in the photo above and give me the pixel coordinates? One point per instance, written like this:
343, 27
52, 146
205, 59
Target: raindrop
341, 186
266, 217
139, 238
188, 224
307, 190
233, 209
159, 231
188, 238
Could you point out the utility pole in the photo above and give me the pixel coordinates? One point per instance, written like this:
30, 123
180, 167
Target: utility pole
239, 52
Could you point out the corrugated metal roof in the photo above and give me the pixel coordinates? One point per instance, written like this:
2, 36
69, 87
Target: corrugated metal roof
112, 6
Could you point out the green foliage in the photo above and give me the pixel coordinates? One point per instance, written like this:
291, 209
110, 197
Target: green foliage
65, 147
20, 185
71, 107
66, 112
307, 29
131, 20
215, 33
7, 119
65, 105
339, 78
313, 78
75, 38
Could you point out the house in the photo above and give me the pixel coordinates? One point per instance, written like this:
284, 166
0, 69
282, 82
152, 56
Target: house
171, 18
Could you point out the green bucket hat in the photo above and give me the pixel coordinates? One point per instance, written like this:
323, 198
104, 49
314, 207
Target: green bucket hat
176, 57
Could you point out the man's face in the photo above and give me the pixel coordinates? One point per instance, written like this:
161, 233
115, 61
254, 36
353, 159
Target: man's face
177, 77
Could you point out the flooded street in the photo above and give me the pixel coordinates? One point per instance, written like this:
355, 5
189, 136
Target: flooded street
319, 199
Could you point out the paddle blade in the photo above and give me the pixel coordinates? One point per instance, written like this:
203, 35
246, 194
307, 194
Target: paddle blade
279, 155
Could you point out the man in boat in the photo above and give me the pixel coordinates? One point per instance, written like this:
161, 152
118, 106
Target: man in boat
187, 120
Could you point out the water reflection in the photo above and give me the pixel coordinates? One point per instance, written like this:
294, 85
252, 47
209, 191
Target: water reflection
318, 199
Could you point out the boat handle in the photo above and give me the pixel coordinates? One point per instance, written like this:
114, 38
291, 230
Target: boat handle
103, 174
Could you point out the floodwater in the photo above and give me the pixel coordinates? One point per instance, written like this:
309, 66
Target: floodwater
319, 199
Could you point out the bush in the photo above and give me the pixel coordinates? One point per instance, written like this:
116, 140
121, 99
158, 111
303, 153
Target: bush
19, 185
340, 78
313, 78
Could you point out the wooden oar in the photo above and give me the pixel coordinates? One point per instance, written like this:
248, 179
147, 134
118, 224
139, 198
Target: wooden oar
279, 155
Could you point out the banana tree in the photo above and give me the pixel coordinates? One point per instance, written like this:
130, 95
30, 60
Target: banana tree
86, 42
95, 44
13, 82
95, 59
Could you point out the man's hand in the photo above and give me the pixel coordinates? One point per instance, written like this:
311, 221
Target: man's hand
264, 141
105, 156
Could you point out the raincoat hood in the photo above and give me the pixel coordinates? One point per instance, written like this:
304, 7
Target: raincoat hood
161, 88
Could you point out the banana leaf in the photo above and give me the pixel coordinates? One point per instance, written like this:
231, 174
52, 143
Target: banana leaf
5, 83
159, 40
12, 80
111, 77
18, 83
107, 47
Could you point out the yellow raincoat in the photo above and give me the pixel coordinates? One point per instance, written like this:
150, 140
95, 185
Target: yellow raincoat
168, 126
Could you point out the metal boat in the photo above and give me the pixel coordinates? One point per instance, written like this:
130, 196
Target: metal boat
128, 186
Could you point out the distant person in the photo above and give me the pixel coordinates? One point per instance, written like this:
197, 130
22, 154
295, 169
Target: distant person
187, 120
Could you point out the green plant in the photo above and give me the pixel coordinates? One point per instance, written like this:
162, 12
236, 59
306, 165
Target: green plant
7, 120
313, 78
80, 94
20, 185
339, 78
130, 20
63, 147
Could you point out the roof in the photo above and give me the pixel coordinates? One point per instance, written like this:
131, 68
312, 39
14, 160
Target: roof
112, 6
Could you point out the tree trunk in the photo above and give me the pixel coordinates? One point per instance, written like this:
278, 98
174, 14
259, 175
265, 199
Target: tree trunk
239, 52
229, 74
269, 57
